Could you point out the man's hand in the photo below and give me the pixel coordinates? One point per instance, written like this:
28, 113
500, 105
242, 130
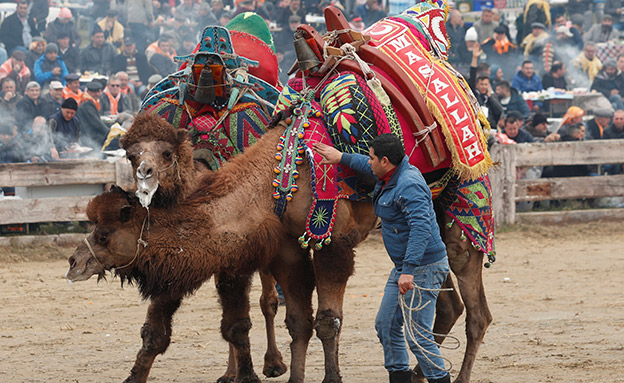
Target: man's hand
8, 96
54, 153
330, 155
56, 71
552, 137
17, 68
406, 283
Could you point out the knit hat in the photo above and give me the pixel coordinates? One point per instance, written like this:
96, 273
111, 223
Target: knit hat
69, 103
538, 118
94, 86
603, 112
471, 34
18, 55
538, 25
612, 63
500, 29
51, 48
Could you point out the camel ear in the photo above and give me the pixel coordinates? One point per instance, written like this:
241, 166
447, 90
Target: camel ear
126, 213
181, 136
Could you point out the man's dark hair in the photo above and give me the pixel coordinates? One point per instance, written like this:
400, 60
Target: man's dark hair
504, 84
527, 62
483, 67
480, 78
390, 146
512, 117
556, 66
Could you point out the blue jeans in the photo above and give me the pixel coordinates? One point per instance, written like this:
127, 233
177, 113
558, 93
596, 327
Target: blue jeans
389, 321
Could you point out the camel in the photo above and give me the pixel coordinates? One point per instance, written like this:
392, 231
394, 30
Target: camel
232, 200
249, 174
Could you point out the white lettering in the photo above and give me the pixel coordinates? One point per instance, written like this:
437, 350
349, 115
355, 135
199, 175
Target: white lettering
439, 85
467, 134
413, 57
425, 70
400, 43
473, 150
458, 119
449, 103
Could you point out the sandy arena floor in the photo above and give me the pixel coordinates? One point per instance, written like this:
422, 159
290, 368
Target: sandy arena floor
555, 294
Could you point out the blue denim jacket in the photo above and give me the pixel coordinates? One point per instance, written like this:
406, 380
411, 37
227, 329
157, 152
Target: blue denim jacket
409, 228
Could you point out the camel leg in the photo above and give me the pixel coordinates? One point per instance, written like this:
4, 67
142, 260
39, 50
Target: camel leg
293, 270
333, 265
156, 334
273, 362
235, 323
467, 264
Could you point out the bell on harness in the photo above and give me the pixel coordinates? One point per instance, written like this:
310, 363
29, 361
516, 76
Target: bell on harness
306, 57
205, 92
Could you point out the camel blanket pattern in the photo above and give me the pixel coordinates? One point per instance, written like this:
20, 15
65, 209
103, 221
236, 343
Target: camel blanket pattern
403, 38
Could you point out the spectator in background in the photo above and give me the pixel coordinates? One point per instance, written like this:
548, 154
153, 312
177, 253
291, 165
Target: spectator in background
597, 125
513, 129
161, 55
534, 43
8, 100
37, 144
151, 82
126, 89
98, 56
187, 9
284, 39
225, 18
189, 43
588, 64
556, 77
72, 87
610, 83
620, 62
536, 11
577, 30
65, 126
456, 31
471, 39
113, 30
69, 54
28, 107
205, 17
217, 8
3, 54
94, 131
357, 24
573, 116
17, 30
283, 13
113, 101
134, 63
511, 100
51, 102
488, 100
562, 47
538, 129
526, 80
140, 19
616, 9
370, 12
15, 69
485, 25
499, 50
37, 48
50, 67
615, 131
63, 25
603, 32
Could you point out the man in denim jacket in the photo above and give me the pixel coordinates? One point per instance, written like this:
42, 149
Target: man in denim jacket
411, 236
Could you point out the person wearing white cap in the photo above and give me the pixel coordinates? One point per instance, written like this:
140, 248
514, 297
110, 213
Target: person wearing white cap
65, 25
51, 102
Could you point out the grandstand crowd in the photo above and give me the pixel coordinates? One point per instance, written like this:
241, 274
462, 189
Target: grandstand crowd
62, 87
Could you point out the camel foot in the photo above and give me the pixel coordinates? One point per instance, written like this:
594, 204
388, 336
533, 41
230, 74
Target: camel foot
226, 379
275, 369
332, 379
249, 379
132, 379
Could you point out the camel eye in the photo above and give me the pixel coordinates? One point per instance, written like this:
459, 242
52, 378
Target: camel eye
167, 154
101, 237
131, 158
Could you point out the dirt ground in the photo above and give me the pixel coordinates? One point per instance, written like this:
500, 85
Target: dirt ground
555, 294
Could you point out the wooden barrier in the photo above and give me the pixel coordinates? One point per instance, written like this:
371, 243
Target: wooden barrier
508, 190
57, 174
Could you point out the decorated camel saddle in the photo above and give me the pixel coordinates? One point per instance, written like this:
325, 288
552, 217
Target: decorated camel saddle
392, 78
223, 98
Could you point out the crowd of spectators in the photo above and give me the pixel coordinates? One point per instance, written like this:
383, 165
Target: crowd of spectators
73, 77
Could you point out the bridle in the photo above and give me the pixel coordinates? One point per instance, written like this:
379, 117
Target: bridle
140, 242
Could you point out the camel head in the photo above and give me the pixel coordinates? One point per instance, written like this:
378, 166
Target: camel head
161, 158
113, 243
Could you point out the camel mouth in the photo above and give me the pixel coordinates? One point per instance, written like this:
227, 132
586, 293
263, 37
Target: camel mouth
82, 265
146, 188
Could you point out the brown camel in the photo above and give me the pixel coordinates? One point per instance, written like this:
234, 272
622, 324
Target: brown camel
151, 136
235, 201
465, 261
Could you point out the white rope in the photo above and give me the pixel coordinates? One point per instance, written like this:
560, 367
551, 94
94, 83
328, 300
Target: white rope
413, 329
